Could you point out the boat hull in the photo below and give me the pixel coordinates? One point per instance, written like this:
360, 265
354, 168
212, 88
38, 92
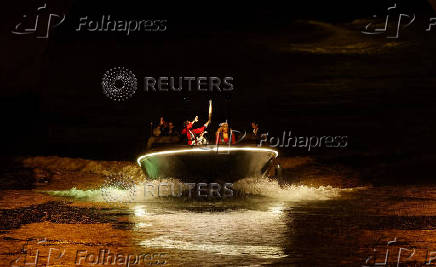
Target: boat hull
208, 164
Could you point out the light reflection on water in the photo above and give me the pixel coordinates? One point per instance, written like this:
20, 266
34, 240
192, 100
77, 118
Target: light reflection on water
248, 230
294, 225
241, 232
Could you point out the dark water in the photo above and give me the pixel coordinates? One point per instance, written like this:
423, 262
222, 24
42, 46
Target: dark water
269, 223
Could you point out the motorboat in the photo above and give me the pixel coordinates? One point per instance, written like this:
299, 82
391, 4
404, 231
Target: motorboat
209, 163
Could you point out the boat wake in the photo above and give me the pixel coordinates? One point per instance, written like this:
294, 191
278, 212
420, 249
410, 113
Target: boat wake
124, 182
269, 187
243, 189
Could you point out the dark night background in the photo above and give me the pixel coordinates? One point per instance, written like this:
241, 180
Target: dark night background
382, 98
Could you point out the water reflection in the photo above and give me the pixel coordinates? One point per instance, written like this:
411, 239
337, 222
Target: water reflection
254, 233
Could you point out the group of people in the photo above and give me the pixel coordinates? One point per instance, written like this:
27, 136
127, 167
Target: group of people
196, 136
165, 128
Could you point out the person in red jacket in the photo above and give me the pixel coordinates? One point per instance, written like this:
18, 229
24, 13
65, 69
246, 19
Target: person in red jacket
223, 135
191, 133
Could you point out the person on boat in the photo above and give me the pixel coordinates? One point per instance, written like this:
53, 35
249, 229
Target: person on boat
163, 125
161, 128
191, 134
255, 134
172, 129
156, 131
255, 128
201, 139
223, 135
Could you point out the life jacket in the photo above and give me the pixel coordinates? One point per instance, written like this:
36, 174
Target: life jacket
220, 140
190, 133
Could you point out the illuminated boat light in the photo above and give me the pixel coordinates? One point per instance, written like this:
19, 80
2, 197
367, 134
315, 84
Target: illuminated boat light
207, 149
